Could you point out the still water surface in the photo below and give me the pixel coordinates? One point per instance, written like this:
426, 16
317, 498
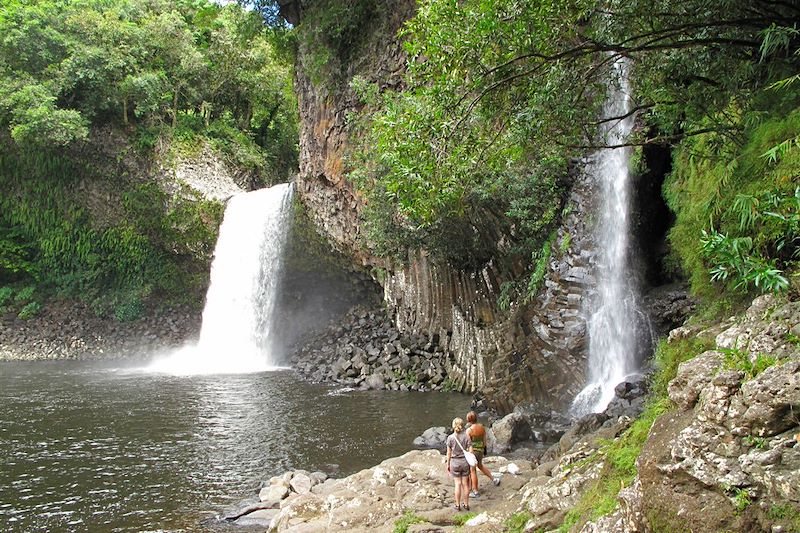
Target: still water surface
91, 448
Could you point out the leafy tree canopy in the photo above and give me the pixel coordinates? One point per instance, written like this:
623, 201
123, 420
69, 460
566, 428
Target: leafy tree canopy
500, 94
66, 64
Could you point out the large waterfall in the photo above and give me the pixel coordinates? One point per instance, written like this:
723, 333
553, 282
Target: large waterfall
235, 334
614, 319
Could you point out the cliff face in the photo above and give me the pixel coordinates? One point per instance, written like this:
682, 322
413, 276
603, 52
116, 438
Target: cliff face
324, 105
528, 351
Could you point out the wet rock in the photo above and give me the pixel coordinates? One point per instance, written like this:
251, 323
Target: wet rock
358, 351
374, 382
668, 306
84, 335
629, 398
583, 426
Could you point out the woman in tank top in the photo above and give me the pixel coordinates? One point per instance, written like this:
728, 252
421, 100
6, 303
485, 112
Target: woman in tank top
477, 435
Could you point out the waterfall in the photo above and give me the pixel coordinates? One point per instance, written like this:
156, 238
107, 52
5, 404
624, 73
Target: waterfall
235, 333
614, 319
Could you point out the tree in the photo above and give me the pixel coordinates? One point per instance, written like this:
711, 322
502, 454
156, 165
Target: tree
502, 93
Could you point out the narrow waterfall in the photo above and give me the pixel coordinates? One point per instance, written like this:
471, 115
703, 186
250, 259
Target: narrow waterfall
235, 333
614, 320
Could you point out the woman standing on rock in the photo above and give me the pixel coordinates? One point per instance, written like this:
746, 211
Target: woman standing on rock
457, 443
477, 435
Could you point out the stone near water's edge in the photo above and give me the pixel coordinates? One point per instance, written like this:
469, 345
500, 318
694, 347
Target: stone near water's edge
363, 349
433, 438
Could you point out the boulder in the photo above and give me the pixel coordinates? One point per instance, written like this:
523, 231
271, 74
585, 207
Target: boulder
374, 382
433, 438
273, 494
771, 399
301, 483
509, 430
693, 376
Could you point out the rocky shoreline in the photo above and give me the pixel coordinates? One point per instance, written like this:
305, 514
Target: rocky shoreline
364, 349
72, 331
724, 454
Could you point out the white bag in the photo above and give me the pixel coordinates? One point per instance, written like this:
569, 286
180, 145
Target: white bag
471, 459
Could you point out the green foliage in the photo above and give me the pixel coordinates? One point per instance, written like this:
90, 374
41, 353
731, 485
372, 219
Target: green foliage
110, 267
740, 497
175, 78
407, 377
736, 359
755, 441
67, 65
6, 294
409, 518
25, 294
540, 259
669, 355
129, 310
738, 213
499, 94
506, 294
29, 310
449, 385
329, 34
565, 243
516, 522
785, 513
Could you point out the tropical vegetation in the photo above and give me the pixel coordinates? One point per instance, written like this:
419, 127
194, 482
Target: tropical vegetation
95, 97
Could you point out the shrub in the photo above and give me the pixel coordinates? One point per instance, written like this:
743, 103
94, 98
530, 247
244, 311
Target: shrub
516, 522
129, 310
738, 207
667, 357
785, 513
25, 294
30, 310
6, 294
461, 518
740, 360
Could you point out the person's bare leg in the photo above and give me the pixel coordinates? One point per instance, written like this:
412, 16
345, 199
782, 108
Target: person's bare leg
465, 490
457, 491
486, 472
473, 478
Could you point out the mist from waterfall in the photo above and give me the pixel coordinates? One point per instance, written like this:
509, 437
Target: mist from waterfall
238, 314
614, 320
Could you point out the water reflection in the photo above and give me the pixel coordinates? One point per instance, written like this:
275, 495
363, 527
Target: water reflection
85, 448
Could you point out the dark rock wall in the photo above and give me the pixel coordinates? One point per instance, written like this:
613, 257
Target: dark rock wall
331, 199
533, 352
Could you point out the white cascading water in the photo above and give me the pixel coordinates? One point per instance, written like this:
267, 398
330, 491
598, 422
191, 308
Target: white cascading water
235, 334
614, 319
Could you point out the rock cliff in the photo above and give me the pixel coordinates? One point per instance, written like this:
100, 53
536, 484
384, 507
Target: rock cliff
509, 354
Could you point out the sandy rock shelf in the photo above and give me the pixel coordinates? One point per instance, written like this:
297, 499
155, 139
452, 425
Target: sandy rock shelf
374, 499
